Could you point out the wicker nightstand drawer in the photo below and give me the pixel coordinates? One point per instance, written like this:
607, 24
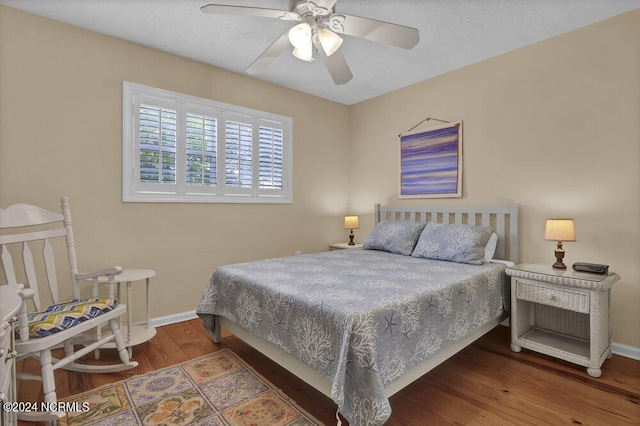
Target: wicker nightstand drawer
570, 300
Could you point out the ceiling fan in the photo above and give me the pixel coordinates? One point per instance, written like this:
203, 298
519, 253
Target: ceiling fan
318, 27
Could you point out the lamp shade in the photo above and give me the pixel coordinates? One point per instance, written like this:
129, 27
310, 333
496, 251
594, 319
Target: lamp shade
560, 230
300, 38
329, 41
304, 52
351, 222
300, 34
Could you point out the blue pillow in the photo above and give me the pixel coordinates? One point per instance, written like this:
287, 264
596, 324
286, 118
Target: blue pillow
397, 237
453, 243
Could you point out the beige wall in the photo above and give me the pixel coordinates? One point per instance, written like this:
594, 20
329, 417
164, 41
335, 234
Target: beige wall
60, 134
554, 127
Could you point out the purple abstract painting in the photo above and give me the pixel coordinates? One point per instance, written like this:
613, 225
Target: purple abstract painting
431, 162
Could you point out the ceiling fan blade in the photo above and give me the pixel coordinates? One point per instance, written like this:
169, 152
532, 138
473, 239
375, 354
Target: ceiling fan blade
371, 29
270, 54
337, 66
218, 9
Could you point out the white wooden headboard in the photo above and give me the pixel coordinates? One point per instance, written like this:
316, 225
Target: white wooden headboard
503, 219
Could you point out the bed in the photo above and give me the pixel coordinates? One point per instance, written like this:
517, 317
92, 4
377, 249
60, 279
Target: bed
361, 324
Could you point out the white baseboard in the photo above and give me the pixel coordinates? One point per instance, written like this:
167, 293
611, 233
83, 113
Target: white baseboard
617, 348
174, 318
626, 350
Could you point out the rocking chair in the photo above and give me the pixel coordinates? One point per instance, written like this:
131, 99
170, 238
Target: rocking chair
64, 323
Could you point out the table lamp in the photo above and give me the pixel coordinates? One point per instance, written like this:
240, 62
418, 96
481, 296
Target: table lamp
351, 222
559, 230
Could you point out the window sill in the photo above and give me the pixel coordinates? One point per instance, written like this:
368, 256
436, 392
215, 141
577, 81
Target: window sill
205, 198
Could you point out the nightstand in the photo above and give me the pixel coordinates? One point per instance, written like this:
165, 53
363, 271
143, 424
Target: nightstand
342, 246
562, 313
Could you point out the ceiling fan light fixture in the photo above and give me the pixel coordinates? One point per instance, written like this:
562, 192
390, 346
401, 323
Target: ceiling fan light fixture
300, 38
300, 35
329, 41
318, 27
304, 52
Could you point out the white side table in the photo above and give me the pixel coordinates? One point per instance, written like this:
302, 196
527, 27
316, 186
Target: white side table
562, 313
139, 332
342, 246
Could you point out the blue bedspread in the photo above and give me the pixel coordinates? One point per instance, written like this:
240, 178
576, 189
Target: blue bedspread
360, 317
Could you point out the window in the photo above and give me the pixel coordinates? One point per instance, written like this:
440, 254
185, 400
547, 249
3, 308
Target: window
180, 148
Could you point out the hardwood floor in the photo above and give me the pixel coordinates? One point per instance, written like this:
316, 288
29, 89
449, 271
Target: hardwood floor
486, 383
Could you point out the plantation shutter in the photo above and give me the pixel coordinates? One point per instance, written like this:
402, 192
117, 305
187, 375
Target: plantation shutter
157, 145
270, 149
202, 146
238, 154
178, 148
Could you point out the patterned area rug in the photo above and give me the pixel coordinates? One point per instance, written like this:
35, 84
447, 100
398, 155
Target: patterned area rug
216, 389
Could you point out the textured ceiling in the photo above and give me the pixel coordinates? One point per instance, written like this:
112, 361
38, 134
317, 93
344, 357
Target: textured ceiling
453, 33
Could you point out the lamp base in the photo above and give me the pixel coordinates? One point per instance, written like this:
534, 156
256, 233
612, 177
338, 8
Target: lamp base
559, 252
351, 235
